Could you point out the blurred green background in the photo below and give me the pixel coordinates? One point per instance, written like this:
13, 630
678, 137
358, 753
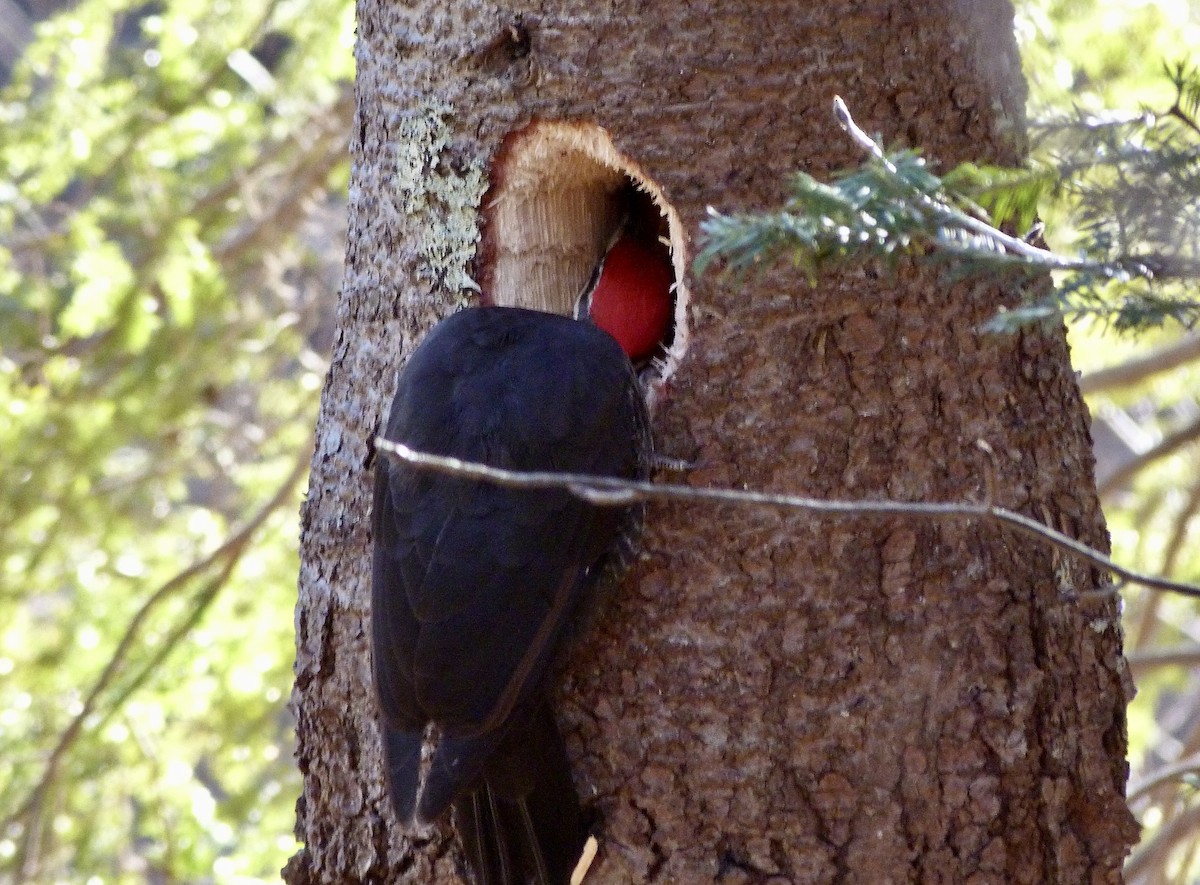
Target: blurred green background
171, 236
172, 179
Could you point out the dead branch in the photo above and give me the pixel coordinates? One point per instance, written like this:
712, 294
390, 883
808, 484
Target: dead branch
611, 491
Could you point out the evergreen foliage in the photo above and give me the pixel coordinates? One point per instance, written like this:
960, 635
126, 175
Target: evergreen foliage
158, 385
1130, 182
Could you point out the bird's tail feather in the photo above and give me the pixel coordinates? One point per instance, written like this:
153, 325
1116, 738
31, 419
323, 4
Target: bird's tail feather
402, 764
523, 823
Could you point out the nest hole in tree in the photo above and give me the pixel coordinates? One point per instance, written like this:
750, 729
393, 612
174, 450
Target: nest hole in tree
559, 193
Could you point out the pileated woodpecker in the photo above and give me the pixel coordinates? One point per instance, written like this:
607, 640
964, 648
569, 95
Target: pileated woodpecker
478, 588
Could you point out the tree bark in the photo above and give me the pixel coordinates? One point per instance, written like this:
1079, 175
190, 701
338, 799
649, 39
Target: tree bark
769, 697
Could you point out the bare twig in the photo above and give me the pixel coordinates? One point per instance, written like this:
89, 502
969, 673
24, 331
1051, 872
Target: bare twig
1146, 622
1152, 854
611, 491
303, 175
1179, 770
1142, 662
227, 554
1177, 542
1168, 446
1184, 351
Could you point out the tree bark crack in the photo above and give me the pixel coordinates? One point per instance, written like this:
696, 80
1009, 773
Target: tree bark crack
658, 855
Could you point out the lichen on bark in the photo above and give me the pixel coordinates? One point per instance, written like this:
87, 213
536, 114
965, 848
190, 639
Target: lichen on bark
441, 187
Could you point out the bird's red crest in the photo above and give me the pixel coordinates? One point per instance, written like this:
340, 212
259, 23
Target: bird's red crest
632, 297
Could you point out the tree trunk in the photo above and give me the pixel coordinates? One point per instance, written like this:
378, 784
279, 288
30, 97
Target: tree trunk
769, 697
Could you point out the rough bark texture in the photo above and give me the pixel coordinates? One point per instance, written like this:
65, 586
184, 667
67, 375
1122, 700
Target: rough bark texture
770, 697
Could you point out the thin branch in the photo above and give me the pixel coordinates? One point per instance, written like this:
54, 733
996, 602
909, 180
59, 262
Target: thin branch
1177, 771
229, 551
1152, 854
1147, 624
1141, 662
304, 175
1180, 353
1147, 621
1168, 446
609, 491
198, 606
138, 125
1179, 531
1030, 254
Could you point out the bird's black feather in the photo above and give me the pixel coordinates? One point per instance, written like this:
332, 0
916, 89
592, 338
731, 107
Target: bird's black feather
476, 587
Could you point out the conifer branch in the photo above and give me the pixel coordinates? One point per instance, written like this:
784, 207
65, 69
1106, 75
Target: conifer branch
1134, 181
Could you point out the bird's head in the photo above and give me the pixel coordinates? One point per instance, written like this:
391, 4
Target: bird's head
629, 296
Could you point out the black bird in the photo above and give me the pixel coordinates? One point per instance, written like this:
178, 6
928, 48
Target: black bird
477, 588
